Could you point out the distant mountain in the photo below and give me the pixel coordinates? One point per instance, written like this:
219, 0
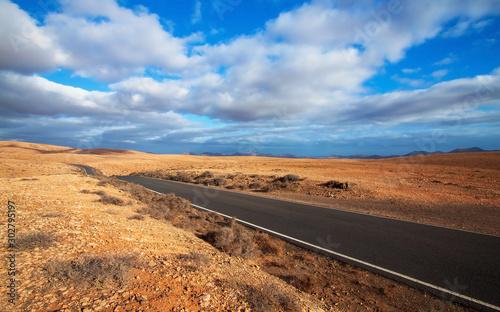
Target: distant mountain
251, 153
418, 153
247, 153
357, 156
212, 154
286, 155
468, 150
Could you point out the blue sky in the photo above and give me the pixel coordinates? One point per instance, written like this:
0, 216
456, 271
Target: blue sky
312, 78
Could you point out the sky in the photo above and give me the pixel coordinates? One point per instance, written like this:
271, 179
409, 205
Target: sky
311, 78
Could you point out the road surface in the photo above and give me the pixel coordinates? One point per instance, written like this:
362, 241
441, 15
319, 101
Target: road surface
459, 265
88, 170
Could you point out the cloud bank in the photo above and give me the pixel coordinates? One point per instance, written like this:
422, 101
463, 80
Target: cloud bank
299, 79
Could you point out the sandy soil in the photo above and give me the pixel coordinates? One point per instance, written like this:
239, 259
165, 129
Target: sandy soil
48, 195
169, 277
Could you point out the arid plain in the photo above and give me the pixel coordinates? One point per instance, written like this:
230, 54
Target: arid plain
454, 190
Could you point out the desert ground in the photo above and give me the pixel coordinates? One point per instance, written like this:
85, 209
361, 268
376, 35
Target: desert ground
65, 226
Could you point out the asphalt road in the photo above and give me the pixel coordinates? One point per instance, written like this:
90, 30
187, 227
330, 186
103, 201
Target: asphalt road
88, 170
451, 263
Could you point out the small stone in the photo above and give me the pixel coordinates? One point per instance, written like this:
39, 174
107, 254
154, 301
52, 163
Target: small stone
205, 300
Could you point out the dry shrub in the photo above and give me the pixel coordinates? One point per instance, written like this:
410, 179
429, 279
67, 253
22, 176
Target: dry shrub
42, 239
194, 260
164, 207
103, 180
273, 186
281, 183
300, 281
219, 181
185, 222
255, 185
234, 240
125, 188
290, 178
337, 185
136, 217
281, 262
182, 177
270, 298
111, 200
213, 217
53, 215
205, 175
237, 186
267, 244
85, 191
91, 270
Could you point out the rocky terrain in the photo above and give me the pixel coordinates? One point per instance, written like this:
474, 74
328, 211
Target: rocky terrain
93, 244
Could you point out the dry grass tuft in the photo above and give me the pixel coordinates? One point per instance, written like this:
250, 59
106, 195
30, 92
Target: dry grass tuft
269, 298
302, 282
194, 261
112, 211
53, 215
111, 200
107, 199
31, 240
136, 217
92, 270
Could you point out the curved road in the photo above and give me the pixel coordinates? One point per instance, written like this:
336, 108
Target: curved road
454, 264
88, 170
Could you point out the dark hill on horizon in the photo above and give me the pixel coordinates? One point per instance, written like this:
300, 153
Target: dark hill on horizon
356, 156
